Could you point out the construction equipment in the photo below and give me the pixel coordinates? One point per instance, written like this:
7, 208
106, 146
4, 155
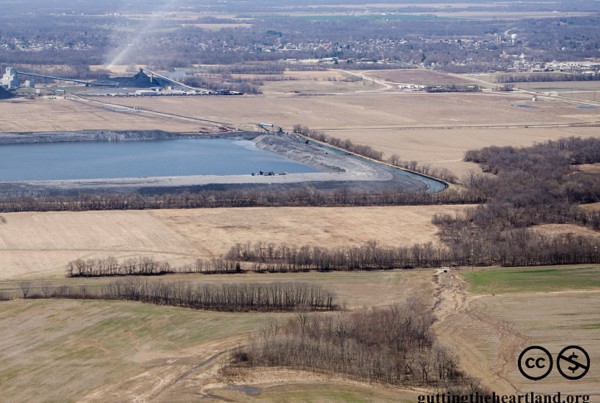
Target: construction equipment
270, 128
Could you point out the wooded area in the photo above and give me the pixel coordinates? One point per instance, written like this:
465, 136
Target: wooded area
392, 345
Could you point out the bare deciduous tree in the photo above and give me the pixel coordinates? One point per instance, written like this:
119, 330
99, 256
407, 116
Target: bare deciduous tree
25, 288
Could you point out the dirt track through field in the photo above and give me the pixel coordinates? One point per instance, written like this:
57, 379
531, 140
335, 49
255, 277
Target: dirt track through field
460, 327
164, 375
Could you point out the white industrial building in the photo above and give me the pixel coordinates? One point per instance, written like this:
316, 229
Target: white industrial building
10, 80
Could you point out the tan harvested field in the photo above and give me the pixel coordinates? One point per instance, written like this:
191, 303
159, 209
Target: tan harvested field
301, 386
118, 351
325, 82
566, 229
591, 206
106, 351
552, 320
66, 115
586, 92
488, 332
317, 87
372, 110
586, 97
354, 289
418, 76
445, 148
41, 244
130, 350
589, 168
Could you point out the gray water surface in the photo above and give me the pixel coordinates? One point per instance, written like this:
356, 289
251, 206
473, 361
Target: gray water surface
138, 159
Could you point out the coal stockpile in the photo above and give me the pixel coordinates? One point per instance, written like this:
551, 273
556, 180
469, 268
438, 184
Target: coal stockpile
140, 80
4, 94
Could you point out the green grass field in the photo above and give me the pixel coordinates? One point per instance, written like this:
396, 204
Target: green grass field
538, 279
317, 392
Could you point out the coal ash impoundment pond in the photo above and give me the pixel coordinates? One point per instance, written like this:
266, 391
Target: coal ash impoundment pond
139, 159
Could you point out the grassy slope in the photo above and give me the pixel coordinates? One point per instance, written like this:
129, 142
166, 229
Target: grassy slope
319, 392
68, 348
538, 279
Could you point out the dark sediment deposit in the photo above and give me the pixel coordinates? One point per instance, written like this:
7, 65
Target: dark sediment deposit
109, 135
4, 94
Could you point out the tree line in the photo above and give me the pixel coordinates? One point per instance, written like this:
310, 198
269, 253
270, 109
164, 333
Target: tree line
348, 145
507, 247
452, 88
146, 266
391, 345
545, 77
259, 197
519, 247
271, 297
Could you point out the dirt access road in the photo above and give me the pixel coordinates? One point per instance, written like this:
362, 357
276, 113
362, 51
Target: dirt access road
459, 325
